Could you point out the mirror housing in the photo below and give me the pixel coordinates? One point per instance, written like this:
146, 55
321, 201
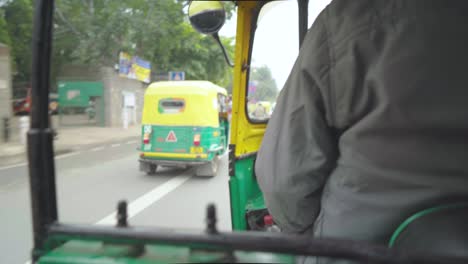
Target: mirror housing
207, 17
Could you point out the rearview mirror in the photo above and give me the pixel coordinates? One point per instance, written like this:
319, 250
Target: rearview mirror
207, 17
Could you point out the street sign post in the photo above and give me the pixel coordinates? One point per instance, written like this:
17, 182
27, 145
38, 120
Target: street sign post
176, 76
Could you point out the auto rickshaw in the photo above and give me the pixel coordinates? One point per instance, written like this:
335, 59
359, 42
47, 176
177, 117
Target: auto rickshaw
58, 242
260, 110
184, 123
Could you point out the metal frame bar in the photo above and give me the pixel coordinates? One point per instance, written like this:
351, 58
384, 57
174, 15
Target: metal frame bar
303, 19
254, 241
40, 136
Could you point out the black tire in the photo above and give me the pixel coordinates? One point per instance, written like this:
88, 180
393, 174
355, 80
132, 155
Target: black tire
208, 170
152, 169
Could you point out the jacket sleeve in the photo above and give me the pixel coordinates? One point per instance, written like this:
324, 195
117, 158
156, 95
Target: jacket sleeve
299, 148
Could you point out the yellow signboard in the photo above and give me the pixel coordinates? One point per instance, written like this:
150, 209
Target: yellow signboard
134, 68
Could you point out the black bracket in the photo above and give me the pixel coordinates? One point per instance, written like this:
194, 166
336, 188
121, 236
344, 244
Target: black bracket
232, 159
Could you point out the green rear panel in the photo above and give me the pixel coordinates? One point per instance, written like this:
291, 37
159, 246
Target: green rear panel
160, 140
77, 94
87, 252
244, 192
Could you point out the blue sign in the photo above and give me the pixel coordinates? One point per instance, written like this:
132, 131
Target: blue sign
176, 76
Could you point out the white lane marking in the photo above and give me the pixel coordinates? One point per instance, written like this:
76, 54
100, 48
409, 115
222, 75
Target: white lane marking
97, 149
25, 163
7, 187
13, 166
144, 201
11, 184
147, 199
67, 155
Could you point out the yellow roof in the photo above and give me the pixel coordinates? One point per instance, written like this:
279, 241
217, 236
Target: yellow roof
184, 87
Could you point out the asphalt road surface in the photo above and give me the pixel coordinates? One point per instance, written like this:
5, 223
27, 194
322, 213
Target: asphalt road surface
91, 182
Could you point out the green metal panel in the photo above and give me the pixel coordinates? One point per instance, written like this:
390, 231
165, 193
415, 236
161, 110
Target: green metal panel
224, 132
87, 252
77, 94
184, 136
244, 193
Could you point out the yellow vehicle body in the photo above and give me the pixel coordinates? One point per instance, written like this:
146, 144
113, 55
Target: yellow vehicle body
184, 123
201, 108
245, 135
259, 110
265, 104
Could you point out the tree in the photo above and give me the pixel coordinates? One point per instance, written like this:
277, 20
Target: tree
267, 89
94, 32
4, 35
18, 17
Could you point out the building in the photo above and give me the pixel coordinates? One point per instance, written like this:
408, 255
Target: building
115, 100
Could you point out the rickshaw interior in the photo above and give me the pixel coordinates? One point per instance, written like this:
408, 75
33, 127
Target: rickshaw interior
56, 242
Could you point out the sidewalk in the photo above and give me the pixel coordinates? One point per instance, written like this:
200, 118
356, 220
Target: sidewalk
71, 139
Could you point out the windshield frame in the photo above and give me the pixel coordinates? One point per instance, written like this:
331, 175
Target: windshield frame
302, 28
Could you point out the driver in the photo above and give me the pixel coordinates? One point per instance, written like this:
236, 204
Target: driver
372, 124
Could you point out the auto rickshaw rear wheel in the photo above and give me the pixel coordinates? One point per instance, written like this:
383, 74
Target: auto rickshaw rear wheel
152, 169
209, 169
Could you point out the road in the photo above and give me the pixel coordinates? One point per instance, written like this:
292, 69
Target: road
89, 184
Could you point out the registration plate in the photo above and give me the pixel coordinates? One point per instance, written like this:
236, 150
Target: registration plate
196, 150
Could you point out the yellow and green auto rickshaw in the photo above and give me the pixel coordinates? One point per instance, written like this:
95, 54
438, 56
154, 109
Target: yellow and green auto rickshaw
260, 110
184, 123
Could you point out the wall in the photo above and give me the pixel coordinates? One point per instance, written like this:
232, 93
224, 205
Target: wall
5, 86
114, 89
72, 72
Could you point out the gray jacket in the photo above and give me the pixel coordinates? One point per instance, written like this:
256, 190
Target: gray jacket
372, 124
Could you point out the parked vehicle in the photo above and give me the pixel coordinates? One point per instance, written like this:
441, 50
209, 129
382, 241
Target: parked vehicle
22, 106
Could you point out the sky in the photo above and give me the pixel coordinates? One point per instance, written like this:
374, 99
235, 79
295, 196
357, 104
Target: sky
276, 45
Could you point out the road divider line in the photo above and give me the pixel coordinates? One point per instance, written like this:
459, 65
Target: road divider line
13, 166
67, 155
6, 187
143, 202
131, 142
147, 199
97, 149
25, 163
115, 145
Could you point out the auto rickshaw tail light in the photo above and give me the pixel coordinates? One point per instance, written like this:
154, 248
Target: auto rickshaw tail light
146, 138
196, 140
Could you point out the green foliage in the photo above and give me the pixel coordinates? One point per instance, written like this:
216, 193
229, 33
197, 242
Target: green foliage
4, 35
94, 32
267, 89
18, 18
